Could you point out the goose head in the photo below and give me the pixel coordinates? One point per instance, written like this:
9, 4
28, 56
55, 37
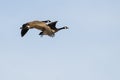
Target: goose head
58, 29
65, 27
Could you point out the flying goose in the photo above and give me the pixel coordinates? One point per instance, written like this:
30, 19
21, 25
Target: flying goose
40, 25
52, 26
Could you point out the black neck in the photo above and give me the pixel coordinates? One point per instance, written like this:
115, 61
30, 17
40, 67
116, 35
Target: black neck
61, 28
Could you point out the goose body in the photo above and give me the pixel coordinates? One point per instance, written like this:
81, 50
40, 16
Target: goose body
40, 25
46, 27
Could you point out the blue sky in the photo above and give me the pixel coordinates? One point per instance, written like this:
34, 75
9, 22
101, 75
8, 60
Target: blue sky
89, 50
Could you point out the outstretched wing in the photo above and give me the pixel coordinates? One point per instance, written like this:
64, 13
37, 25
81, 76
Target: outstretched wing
52, 25
46, 21
24, 31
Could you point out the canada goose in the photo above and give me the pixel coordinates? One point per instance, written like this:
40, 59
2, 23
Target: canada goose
40, 25
52, 26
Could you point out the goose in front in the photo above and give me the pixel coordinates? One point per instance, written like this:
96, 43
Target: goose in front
52, 26
40, 25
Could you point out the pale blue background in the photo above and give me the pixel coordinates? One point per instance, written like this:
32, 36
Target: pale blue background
89, 50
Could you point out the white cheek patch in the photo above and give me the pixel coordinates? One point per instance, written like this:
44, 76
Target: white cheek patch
66, 27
